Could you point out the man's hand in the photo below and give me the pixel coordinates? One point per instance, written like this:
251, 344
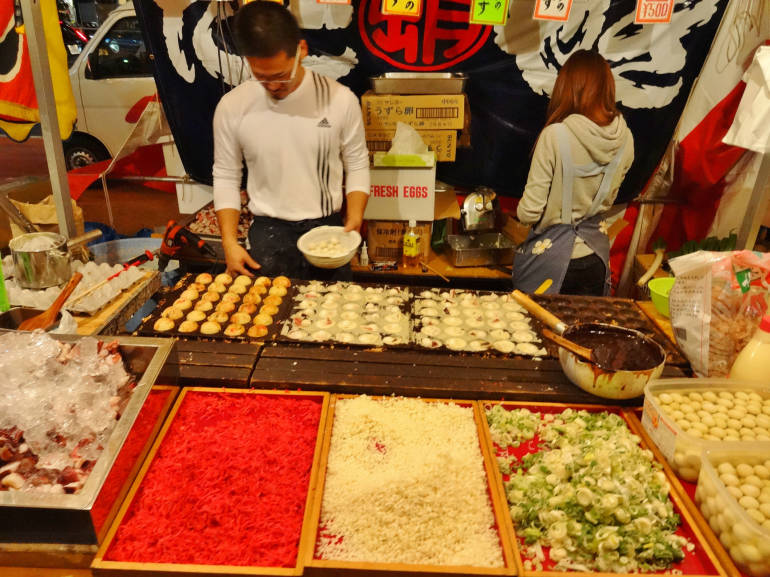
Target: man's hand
237, 258
352, 223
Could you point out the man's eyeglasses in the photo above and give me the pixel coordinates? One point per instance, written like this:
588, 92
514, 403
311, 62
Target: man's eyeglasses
282, 78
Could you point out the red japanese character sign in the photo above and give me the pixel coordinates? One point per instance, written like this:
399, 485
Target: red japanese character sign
442, 37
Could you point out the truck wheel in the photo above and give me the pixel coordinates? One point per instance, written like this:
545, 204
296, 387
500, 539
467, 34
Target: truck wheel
81, 150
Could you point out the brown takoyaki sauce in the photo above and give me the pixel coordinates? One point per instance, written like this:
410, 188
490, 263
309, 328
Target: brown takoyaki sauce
616, 348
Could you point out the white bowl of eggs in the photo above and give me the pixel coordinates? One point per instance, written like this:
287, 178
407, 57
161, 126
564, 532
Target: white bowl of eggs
329, 246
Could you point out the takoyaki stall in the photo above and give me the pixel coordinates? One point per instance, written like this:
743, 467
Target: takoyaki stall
379, 429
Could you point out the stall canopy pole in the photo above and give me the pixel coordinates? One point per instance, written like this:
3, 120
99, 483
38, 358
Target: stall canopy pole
49, 123
755, 211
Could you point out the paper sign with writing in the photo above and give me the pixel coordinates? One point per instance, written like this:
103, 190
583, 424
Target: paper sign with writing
489, 12
332, 1
552, 10
653, 11
410, 8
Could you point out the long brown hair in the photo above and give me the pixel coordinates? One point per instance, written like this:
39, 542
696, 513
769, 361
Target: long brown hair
584, 86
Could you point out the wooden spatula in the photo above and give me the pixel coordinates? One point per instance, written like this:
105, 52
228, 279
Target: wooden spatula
579, 350
48, 316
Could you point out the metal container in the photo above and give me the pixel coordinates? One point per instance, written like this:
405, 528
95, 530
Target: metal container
30, 517
490, 248
12, 318
419, 83
37, 269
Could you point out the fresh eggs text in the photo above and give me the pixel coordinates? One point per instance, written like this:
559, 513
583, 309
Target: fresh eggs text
394, 191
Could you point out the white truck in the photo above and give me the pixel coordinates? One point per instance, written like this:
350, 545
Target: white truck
111, 79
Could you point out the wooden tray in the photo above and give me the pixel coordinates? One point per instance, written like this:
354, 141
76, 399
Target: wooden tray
703, 554
326, 567
101, 566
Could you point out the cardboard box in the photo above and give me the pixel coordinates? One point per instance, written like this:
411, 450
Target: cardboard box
442, 142
385, 239
423, 112
401, 193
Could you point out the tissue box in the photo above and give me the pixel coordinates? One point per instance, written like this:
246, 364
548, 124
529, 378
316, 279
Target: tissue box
442, 142
423, 112
401, 193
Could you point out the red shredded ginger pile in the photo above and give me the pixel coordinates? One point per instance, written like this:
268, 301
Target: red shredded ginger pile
228, 485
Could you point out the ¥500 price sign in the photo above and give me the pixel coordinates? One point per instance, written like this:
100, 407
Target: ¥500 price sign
653, 11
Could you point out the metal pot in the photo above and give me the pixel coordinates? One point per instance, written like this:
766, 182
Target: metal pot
40, 268
49, 267
598, 378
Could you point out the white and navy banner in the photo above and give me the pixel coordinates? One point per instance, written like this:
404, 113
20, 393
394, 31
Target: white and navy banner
511, 70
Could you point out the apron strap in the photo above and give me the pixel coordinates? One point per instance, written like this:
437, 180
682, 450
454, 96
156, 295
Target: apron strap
567, 172
607, 178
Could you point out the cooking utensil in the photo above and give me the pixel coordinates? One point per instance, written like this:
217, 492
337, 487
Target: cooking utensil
16, 215
583, 352
625, 359
141, 259
40, 267
47, 317
12, 318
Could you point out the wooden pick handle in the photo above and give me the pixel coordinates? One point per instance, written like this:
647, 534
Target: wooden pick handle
539, 312
47, 317
582, 352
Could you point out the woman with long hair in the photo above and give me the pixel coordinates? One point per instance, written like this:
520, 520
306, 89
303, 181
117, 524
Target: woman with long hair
580, 159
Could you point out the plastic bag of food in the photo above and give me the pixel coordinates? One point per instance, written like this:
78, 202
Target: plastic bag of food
716, 304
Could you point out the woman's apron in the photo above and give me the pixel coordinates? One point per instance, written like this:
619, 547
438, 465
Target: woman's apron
546, 255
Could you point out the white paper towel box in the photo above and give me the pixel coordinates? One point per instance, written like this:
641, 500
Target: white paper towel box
401, 193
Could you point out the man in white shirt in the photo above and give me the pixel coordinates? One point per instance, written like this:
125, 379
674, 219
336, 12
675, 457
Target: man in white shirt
298, 133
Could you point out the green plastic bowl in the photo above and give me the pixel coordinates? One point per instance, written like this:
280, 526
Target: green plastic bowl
659, 289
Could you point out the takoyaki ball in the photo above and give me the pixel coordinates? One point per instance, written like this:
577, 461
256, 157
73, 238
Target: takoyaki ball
263, 319
163, 324
188, 327
211, 296
197, 286
172, 313
258, 289
262, 281
225, 307
224, 278
189, 294
234, 330
252, 299
269, 310
196, 316
204, 306
240, 318
273, 300
210, 328
242, 279
237, 289
217, 287
248, 308
183, 304
230, 298
257, 331
219, 317
204, 278
277, 290
281, 281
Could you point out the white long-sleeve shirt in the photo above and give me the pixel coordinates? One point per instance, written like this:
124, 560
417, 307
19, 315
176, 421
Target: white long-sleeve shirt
296, 149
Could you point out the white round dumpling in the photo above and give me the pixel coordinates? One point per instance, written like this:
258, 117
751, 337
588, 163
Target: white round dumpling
373, 298
488, 298
430, 330
392, 328
530, 349
372, 317
477, 333
497, 323
490, 306
351, 307
492, 313
392, 309
519, 326
474, 322
514, 316
499, 335
427, 321
524, 336
328, 306
512, 306
371, 307
429, 312
370, 328
320, 336
345, 337
392, 340
300, 321
347, 325
430, 343
393, 318
373, 290
350, 316
504, 346
307, 305
456, 344
426, 294
473, 311
324, 322
453, 321
454, 332
394, 300
478, 345
332, 297
453, 310
298, 334
369, 338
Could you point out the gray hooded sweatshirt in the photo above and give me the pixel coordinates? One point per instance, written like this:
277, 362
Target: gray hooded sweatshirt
540, 204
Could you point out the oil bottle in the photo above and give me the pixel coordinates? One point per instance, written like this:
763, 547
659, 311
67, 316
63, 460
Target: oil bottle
753, 362
411, 251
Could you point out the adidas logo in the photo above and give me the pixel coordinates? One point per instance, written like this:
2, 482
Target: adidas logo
324, 123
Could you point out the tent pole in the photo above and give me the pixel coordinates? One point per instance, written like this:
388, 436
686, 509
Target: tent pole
49, 123
755, 211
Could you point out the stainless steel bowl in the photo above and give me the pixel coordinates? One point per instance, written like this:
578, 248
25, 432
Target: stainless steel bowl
40, 268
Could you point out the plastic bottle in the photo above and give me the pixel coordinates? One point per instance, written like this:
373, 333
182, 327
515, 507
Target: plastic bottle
4, 304
753, 362
411, 251
364, 260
